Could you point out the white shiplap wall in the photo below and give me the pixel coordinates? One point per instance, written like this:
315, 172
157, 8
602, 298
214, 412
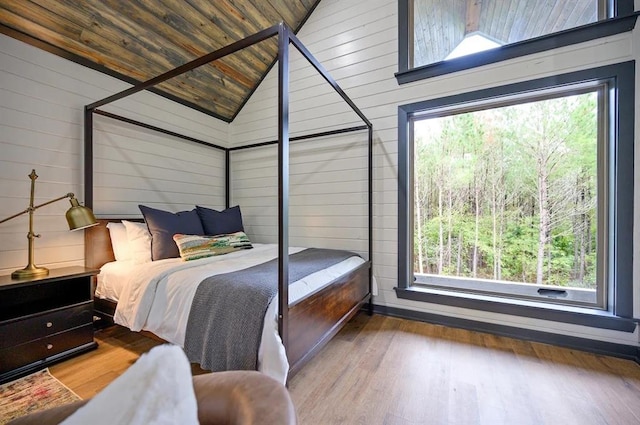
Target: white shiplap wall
328, 192
357, 42
42, 98
134, 166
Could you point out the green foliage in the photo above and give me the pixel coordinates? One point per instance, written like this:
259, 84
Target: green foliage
483, 178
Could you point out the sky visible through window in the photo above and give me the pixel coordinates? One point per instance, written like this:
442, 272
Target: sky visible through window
472, 43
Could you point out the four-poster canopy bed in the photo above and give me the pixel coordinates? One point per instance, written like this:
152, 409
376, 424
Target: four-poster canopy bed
306, 325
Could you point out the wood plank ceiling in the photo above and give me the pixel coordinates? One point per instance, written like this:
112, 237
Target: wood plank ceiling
139, 39
440, 25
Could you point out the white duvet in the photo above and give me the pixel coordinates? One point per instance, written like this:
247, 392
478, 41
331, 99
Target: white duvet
157, 296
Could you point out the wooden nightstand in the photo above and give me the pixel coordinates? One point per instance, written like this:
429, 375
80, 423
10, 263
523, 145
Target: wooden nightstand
44, 320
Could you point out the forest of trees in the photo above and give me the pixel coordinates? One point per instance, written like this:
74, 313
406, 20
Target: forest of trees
509, 193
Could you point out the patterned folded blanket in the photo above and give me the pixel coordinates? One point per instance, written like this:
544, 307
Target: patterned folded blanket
192, 247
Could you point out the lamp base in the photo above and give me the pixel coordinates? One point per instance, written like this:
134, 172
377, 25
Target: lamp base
30, 272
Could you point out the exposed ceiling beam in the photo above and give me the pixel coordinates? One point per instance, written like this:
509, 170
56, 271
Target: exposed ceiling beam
474, 8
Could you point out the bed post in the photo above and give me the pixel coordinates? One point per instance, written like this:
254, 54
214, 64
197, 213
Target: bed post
370, 178
329, 79
283, 183
88, 157
227, 177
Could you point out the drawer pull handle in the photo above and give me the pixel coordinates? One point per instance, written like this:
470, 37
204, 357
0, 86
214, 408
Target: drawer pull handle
49, 346
49, 324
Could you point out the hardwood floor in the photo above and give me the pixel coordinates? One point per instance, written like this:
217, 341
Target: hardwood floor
383, 370
118, 348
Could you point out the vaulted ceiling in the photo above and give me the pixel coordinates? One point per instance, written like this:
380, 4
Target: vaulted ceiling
136, 40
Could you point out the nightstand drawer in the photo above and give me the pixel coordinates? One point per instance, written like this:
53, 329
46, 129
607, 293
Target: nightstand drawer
39, 326
41, 349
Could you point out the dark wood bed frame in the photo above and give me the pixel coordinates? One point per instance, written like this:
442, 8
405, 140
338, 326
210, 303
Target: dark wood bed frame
309, 324
313, 320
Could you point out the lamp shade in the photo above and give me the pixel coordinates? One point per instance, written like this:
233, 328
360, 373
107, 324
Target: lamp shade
79, 217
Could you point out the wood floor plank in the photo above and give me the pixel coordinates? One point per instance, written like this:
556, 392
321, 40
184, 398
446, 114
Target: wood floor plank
390, 371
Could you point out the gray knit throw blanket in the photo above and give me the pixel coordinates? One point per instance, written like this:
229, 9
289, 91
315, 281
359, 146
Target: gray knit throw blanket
225, 323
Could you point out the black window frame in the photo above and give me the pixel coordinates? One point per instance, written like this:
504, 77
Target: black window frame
623, 20
621, 134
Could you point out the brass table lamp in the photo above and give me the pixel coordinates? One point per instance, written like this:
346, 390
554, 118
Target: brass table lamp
78, 217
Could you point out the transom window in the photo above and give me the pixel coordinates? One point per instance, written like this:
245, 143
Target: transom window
439, 27
442, 36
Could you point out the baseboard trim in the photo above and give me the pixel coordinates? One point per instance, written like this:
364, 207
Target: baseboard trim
628, 352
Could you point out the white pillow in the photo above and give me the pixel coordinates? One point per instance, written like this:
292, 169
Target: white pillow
139, 241
119, 241
156, 390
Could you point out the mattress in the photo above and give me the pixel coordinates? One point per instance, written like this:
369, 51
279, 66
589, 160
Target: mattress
156, 296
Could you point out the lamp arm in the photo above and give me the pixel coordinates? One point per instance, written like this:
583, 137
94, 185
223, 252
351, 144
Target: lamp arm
68, 195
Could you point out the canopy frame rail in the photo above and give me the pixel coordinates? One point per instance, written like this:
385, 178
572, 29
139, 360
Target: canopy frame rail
157, 129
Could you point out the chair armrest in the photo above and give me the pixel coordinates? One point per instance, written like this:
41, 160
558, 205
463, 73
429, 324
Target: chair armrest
242, 398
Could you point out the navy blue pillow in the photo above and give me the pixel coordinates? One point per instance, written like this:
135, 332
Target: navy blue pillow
220, 222
164, 224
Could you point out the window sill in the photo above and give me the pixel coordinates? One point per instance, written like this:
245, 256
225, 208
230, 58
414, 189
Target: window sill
564, 314
581, 34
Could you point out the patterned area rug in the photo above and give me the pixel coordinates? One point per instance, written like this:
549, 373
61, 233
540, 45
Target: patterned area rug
34, 392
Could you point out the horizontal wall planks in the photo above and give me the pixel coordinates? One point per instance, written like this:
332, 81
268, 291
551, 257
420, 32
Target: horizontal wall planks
328, 186
58, 89
42, 98
358, 46
174, 175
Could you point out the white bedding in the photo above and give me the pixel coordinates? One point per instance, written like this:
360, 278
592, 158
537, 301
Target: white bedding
156, 296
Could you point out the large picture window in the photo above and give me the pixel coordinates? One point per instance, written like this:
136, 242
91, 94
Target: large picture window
437, 36
521, 192
506, 199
